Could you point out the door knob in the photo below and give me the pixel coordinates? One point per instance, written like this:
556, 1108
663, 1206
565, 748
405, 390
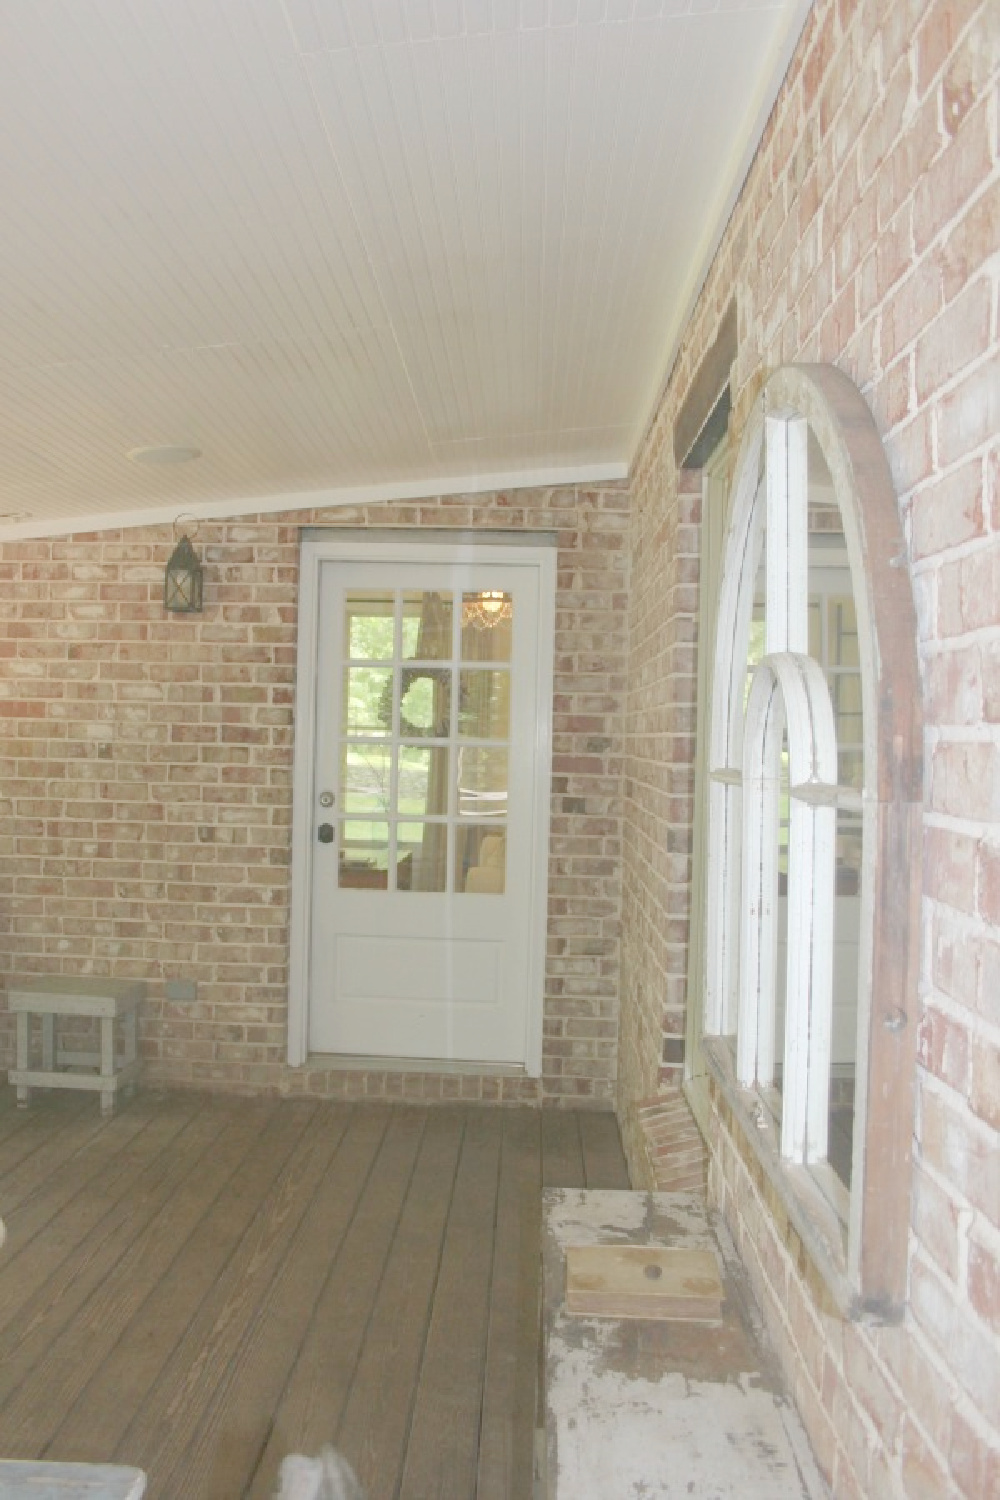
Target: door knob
325, 834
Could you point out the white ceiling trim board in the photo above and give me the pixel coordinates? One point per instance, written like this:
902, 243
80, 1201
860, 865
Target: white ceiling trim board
332, 499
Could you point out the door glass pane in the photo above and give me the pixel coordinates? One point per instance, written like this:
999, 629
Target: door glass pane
482, 783
423, 781
487, 617
368, 700
425, 702
364, 855
484, 705
365, 778
427, 621
422, 856
369, 624
480, 860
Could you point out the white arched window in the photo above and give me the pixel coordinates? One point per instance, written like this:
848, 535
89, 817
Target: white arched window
814, 823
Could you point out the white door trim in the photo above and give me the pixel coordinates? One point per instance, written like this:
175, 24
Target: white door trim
318, 548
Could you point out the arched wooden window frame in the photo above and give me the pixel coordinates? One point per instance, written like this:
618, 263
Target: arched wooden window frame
861, 1253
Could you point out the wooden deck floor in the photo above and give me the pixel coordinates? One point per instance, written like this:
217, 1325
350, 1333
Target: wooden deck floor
199, 1286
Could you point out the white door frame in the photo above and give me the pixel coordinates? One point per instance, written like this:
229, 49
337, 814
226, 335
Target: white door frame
320, 546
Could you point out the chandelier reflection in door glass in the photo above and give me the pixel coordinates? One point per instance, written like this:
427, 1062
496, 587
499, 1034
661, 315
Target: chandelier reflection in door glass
487, 609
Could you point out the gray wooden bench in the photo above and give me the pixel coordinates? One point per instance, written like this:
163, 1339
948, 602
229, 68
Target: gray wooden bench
111, 1002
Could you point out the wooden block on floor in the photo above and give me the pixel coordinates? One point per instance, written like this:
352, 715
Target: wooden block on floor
643, 1281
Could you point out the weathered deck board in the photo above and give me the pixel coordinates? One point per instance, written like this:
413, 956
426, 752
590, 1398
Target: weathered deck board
442, 1454
603, 1162
200, 1286
62, 1329
177, 1265
309, 1413
229, 1447
50, 1246
376, 1422
562, 1152
182, 1399
508, 1416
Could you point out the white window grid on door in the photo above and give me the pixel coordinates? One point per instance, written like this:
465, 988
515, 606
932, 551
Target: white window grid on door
452, 739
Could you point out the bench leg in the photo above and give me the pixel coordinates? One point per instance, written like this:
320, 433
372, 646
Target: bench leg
131, 1023
49, 1043
23, 1023
107, 1064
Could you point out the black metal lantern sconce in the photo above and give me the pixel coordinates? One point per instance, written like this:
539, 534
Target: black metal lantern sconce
184, 579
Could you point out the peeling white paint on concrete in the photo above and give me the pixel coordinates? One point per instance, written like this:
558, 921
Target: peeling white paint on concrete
660, 1412
621, 1439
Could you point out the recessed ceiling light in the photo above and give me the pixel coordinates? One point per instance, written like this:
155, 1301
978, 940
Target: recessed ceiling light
168, 453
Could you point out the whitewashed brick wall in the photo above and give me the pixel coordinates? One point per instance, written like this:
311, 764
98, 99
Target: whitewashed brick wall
867, 235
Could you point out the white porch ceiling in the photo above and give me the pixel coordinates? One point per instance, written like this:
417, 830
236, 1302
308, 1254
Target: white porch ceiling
353, 247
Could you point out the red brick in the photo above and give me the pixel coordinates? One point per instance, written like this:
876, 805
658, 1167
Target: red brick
955, 959
965, 781
959, 1337
969, 1457
971, 243
949, 511
917, 1372
911, 308
935, 1221
970, 415
956, 339
942, 25
957, 1146
944, 190
943, 1048
876, 1395
955, 690
968, 591
984, 1284
989, 882
967, 73
984, 1084
924, 1476
950, 867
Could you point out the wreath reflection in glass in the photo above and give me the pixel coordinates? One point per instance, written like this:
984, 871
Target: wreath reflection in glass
436, 718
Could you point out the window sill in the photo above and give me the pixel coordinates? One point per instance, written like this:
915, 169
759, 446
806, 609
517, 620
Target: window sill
813, 1232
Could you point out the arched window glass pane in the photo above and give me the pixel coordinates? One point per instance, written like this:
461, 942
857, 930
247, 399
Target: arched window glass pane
833, 642
781, 968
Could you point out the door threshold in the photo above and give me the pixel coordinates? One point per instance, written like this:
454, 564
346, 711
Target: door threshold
341, 1062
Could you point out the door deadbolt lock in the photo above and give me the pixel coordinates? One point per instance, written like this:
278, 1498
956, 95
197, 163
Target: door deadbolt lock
326, 799
326, 833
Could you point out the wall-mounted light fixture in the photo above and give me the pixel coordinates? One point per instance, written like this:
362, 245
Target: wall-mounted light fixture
184, 579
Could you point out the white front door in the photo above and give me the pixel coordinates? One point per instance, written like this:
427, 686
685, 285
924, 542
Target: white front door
424, 798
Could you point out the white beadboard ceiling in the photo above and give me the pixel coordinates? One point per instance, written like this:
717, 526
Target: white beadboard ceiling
353, 247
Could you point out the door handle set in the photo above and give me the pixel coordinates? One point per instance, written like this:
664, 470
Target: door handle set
325, 833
